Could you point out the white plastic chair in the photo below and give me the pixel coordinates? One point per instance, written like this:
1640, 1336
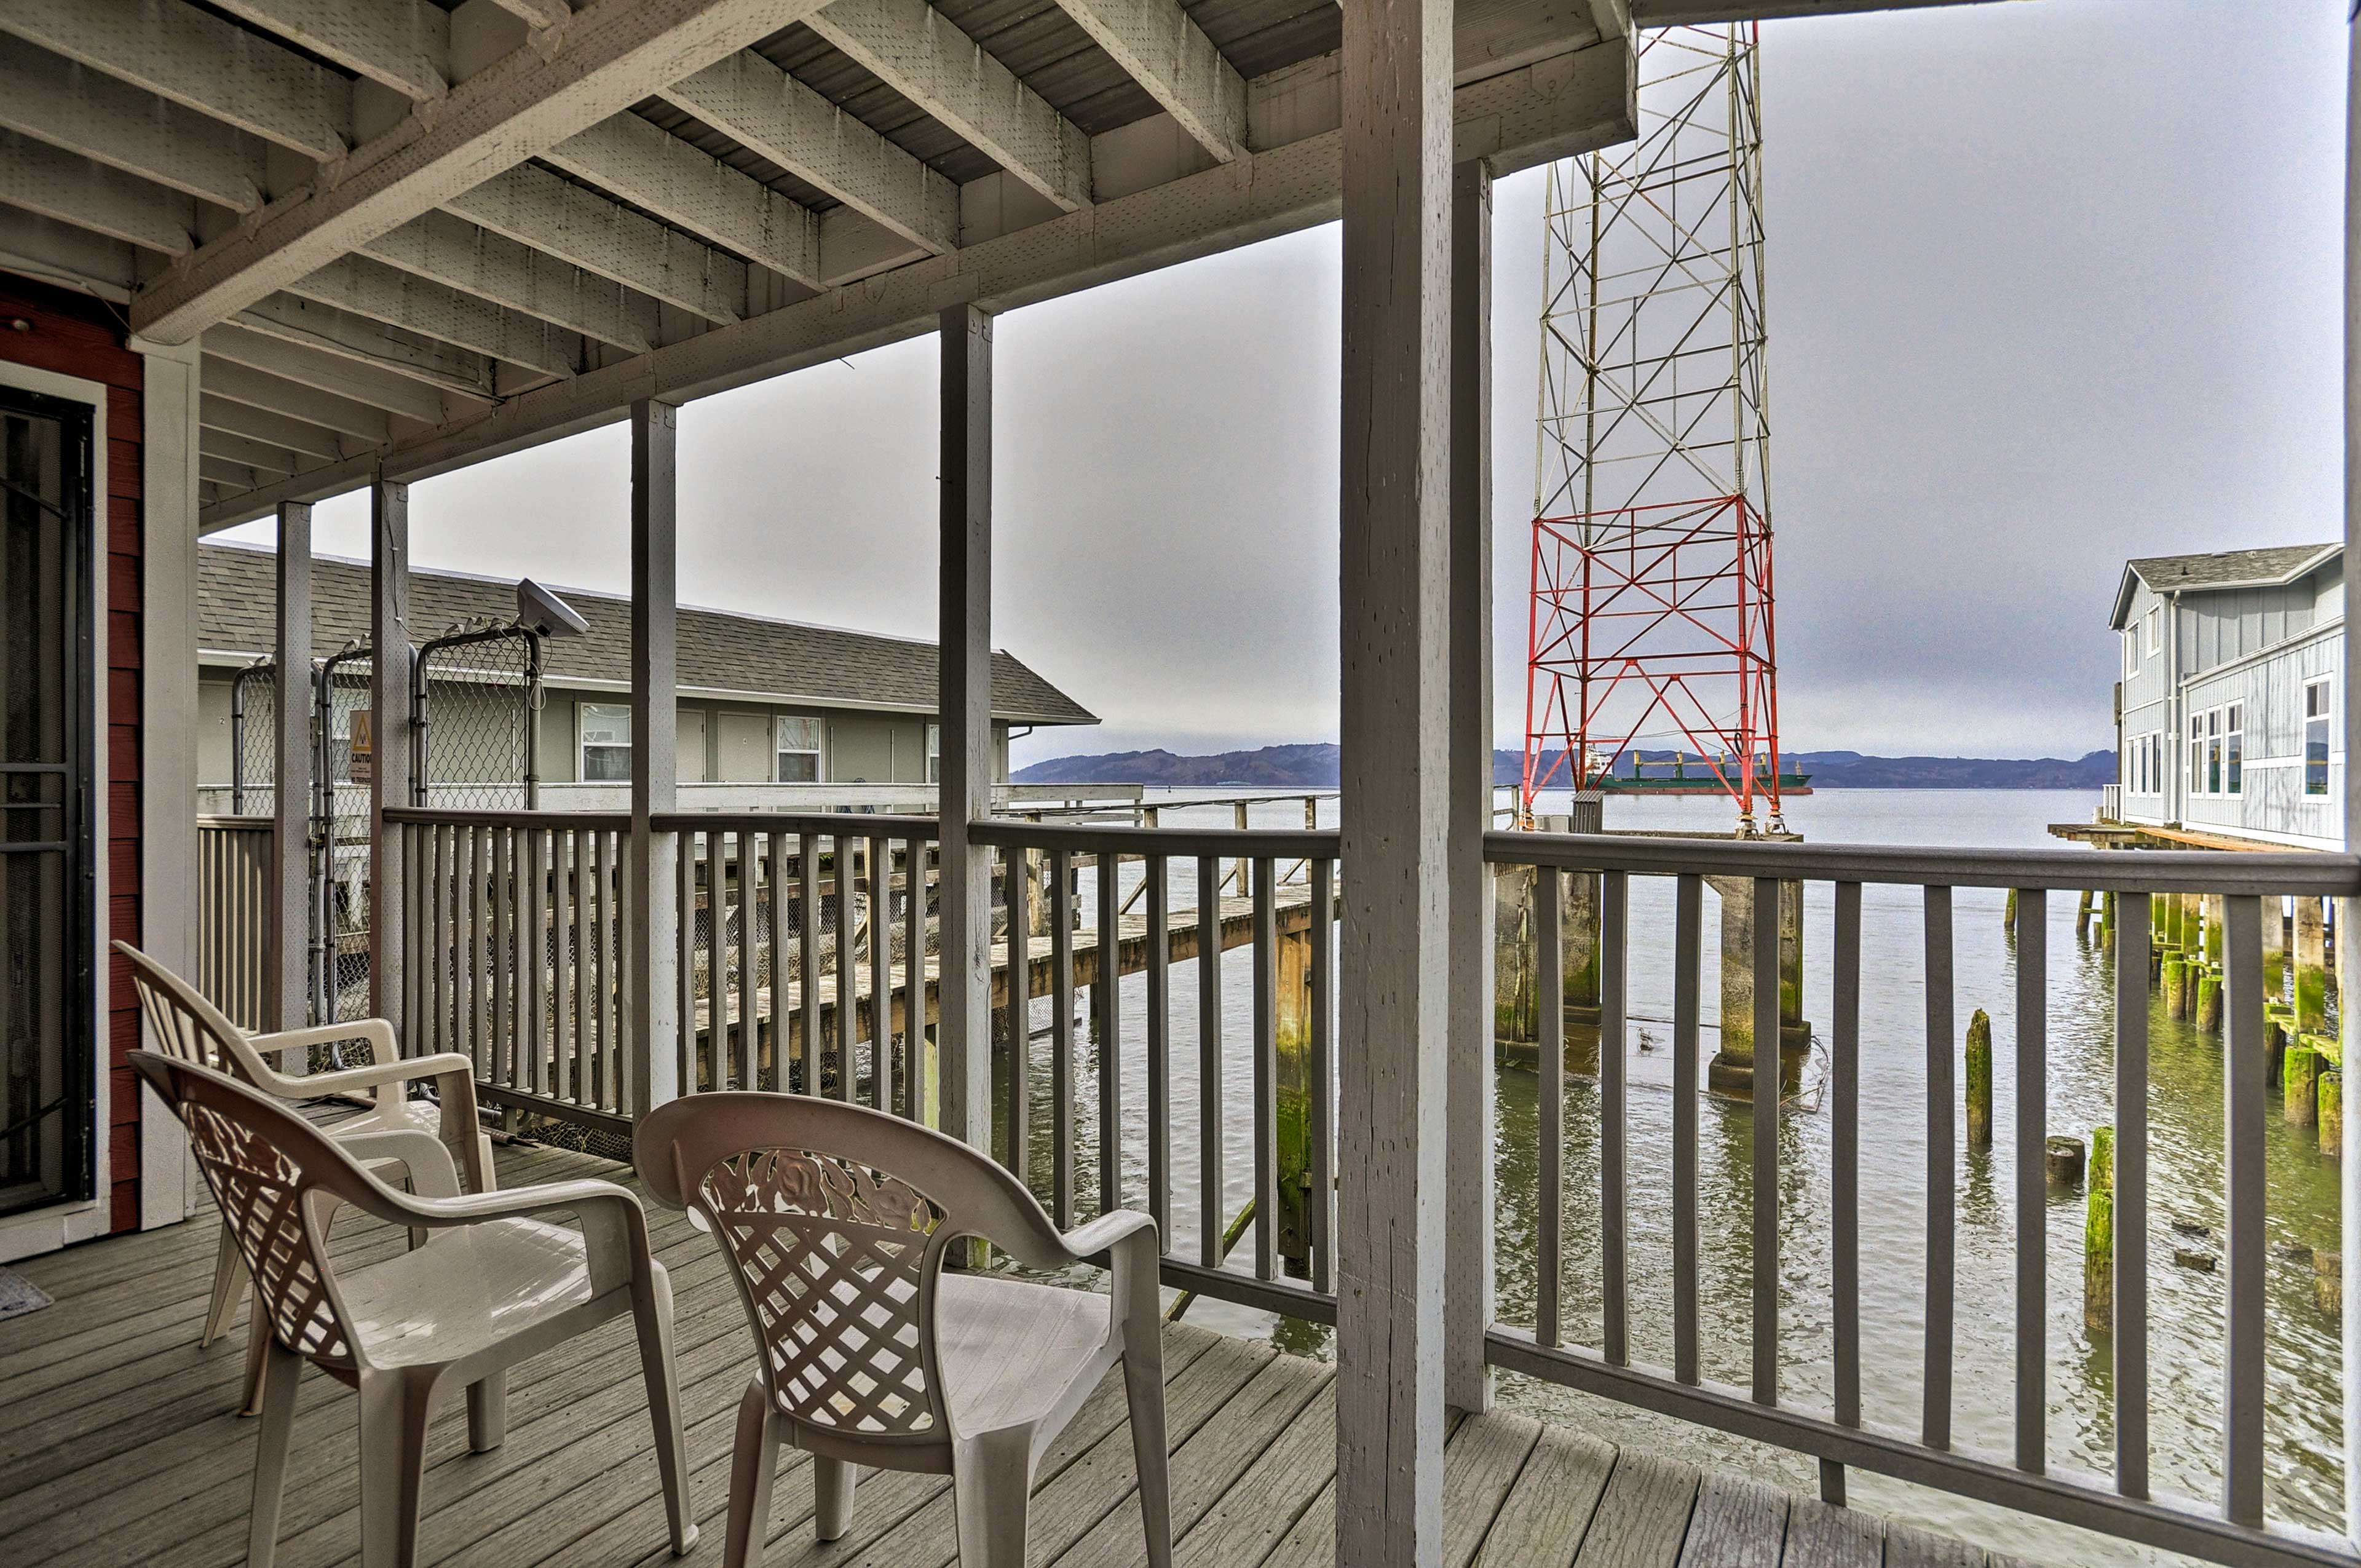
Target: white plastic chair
836, 1220
190, 1028
491, 1288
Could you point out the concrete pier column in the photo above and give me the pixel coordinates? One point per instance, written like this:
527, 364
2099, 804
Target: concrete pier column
1516, 1022
2215, 909
2310, 967
1731, 1071
1579, 925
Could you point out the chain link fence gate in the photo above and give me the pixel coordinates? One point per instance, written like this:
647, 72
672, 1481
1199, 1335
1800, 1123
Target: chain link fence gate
474, 744
254, 740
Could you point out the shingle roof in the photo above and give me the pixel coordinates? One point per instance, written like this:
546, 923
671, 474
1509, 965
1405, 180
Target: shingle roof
783, 660
2229, 569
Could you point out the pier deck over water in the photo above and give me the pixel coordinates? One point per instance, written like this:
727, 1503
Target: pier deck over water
121, 1447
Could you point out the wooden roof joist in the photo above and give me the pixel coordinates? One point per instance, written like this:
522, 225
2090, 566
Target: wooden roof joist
289, 432
373, 345
225, 381
307, 367
1287, 181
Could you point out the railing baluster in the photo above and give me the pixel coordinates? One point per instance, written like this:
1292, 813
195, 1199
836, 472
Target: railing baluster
1688, 955
1765, 1087
479, 1044
1106, 1019
1017, 891
502, 1043
1154, 879
565, 978
1614, 904
438, 943
775, 1016
1549, 994
1324, 1077
913, 992
2242, 1253
1942, 1154
532, 975
881, 974
807, 989
1061, 1037
699, 1068
2032, 1180
1266, 1070
602, 1001
1210, 1222
848, 1004
1844, 1172
750, 1035
2131, 944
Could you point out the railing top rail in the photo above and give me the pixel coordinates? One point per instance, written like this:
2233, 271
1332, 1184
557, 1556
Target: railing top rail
1232, 843
448, 817
222, 823
2265, 873
827, 824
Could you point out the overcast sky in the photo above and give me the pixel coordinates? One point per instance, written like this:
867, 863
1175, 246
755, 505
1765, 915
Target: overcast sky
2050, 284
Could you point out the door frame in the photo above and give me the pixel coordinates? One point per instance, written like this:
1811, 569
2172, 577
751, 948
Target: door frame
79, 1219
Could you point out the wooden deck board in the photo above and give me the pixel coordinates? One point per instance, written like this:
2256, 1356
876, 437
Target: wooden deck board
123, 1446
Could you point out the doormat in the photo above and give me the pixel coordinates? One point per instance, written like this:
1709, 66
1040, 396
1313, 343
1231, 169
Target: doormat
19, 1294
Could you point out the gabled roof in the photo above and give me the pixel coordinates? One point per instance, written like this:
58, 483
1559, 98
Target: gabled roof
780, 661
2224, 569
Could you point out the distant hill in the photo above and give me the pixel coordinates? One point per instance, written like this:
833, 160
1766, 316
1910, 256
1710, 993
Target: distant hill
1314, 766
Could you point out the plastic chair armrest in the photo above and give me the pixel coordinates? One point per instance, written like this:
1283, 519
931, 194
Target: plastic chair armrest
375, 1031
1103, 1234
519, 1202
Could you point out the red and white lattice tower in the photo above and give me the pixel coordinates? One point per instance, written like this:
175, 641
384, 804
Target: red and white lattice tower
1650, 614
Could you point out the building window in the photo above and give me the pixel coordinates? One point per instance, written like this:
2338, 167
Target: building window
2155, 632
2196, 754
2315, 737
2213, 753
606, 729
2156, 764
933, 753
2233, 746
799, 742
2131, 654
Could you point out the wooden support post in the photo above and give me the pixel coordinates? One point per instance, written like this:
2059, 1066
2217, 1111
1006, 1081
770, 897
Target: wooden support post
1795, 1032
965, 687
1578, 999
1979, 1079
2275, 954
290, 910
1291, 1101
652, 932
167, 741
2310, 967
1394, 604
2099, 1233
390, 719
1469, 1293
2213, 906
2082, 916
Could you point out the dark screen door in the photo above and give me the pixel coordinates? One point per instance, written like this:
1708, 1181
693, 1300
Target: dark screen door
45, 930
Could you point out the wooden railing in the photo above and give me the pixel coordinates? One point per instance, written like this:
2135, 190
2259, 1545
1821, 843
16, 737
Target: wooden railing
235, 890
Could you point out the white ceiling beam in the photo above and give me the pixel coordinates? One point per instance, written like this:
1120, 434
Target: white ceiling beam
452, 251
919, 53
397, 299
212, 66
324, 372
747, 97
371, 344
238, 384
1161, 47
72, 190
36, 246
401, 44
70, 105
259, 425
1613, 18
552, 215
223, 472
600, 62
649, 167
260, 455
537, 12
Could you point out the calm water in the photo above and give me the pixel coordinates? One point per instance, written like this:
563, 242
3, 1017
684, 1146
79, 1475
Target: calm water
2304, 1424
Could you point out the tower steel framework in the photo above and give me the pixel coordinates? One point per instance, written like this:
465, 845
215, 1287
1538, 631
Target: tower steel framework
1650, 616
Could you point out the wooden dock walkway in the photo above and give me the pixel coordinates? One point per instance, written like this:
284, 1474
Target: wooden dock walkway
118, 1445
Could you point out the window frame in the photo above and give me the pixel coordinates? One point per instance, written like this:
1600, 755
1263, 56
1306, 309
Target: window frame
2324, 718
2155, 630
2233, 748
2196, 755
934, 757
781, 751
2214, 751
584, 745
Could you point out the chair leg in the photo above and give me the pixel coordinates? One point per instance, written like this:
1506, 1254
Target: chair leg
652, 1316
270, 1455
487, 1412
1143, 1380
992, 1494
229, 1284
832, 1497
752, 1464
258, 1346
393, 1462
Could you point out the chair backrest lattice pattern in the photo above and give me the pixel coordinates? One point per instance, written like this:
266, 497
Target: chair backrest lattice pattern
186, 1026
836, 1259
261, 1192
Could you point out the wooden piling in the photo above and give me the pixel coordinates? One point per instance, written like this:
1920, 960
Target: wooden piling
2311, 966
2081, 916
2300, 1082
1980, 1081
2332, 1114
1291, 1117
2279, 1028
2099, 1233
2275, 957
2171, 981
1516, 1022
2209, 1001
2008, 915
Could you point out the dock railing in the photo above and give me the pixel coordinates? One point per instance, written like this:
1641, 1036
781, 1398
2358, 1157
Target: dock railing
235, 858
767, 902
2229, 1529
